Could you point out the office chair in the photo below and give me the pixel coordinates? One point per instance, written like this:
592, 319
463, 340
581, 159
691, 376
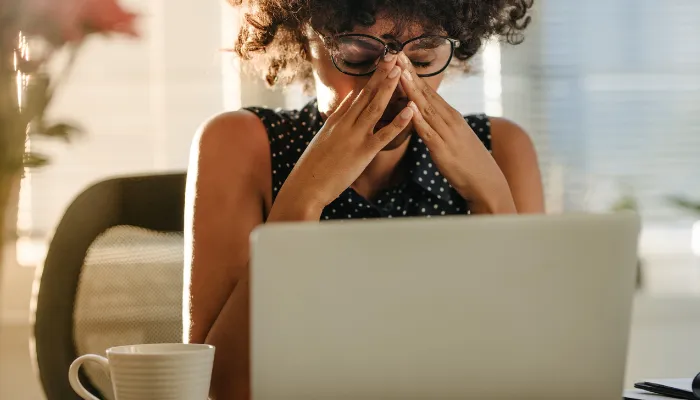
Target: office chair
112, 275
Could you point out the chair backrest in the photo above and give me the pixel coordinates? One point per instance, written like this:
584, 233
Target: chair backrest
122, 216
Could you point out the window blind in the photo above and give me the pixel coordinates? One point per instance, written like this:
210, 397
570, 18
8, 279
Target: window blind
611, 93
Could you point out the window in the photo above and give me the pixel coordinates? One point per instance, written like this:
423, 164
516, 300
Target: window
614, 113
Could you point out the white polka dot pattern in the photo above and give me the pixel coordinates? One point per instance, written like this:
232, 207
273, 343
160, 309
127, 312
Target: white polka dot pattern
426, 193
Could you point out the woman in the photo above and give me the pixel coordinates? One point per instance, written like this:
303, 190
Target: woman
377, 142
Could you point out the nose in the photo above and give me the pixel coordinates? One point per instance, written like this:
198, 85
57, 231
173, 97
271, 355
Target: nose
399, 94
393, 48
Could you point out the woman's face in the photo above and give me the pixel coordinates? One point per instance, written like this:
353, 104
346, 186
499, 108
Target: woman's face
332, 86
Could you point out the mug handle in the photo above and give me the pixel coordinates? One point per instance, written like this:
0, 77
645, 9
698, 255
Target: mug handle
74, 377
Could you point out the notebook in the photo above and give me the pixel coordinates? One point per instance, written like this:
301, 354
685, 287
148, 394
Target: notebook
662, 389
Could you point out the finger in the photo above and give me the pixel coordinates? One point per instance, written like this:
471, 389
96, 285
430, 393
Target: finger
376, 107
343, 107
427, 91
367, 93
433, 107
427, 109
426, 132
389, 132
448, 113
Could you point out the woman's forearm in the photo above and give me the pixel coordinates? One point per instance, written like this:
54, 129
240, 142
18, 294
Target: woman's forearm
230, 334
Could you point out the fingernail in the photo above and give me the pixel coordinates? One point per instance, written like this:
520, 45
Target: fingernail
407, 75
394, 72
405, 59
407, 113
388, 57
413, 105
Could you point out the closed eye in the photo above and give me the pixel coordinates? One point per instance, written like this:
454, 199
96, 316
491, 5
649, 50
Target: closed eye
358, 64
421, 64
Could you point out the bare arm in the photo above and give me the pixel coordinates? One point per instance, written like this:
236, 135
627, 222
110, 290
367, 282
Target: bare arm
229, 185
224, 203
515, 155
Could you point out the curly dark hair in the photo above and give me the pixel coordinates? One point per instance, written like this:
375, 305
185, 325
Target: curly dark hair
272, 37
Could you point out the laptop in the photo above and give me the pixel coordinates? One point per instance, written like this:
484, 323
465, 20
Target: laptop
477, 307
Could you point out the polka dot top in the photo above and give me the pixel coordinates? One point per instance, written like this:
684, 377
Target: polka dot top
425, 193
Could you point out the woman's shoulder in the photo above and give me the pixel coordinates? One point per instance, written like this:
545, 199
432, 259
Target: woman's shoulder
289, 132
238, 131
270, 116
283, 125
500, 135
514, 151
254, 132
230, 143
249, 124
509, 138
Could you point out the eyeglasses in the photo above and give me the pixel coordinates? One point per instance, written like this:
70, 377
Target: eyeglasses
358, 54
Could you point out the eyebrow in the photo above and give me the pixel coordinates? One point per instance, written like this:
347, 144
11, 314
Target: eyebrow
392, 37
428, 44
364, 45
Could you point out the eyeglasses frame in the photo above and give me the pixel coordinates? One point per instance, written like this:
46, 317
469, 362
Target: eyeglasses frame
327, 41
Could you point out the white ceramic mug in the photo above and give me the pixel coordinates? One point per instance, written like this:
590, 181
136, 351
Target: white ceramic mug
152, 371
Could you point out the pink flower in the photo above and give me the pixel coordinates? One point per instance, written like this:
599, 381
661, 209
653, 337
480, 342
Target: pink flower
107, 16
63, 21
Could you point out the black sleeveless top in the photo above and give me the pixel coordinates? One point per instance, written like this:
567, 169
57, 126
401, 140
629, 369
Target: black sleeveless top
426, 193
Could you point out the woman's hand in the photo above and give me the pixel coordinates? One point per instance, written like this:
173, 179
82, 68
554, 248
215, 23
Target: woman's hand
344, 147
457, 151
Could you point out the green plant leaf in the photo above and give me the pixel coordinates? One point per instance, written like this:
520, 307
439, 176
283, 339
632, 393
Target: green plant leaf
626, 203
685, 204
61, 130
35, 160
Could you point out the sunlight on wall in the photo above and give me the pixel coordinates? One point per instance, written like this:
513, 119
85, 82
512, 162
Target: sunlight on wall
493, 88
695, 241
29, 252
24, 209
